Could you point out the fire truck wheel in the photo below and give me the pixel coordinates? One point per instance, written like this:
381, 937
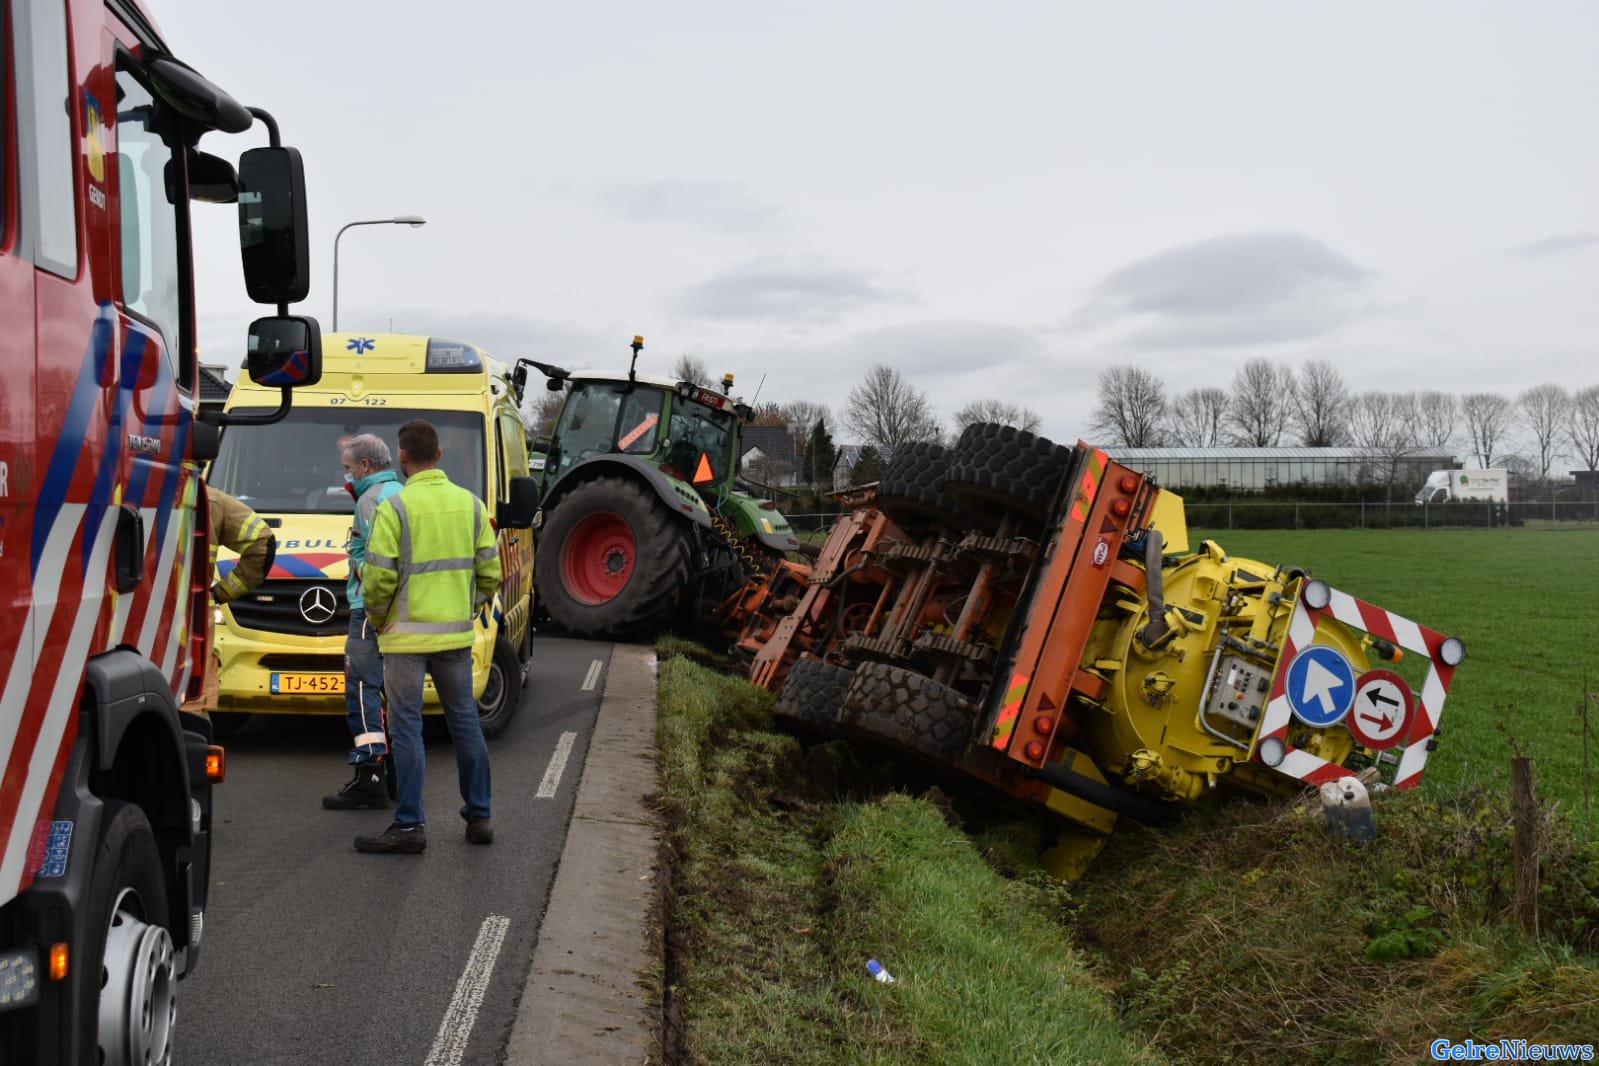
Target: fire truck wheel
1001, 468
908, 711
126, 970
503, 692
811, 698
612, 560
911, 491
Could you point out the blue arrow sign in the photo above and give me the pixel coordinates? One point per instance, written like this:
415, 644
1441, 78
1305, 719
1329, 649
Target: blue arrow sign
1321, 686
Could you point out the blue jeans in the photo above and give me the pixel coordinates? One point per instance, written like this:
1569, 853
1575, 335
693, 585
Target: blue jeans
452, 676
363, 691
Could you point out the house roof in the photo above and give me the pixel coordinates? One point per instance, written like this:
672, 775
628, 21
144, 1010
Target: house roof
214, 386
773, 441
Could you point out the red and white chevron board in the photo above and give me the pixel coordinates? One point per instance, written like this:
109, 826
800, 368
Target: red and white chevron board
1397, 630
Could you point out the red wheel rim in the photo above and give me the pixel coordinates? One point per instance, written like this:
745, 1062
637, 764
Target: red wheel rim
597, 558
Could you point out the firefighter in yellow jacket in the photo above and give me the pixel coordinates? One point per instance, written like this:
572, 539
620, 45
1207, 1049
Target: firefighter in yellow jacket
432, 567
235, 527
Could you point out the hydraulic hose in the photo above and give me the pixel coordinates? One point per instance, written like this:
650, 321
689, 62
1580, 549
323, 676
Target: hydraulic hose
1141, 809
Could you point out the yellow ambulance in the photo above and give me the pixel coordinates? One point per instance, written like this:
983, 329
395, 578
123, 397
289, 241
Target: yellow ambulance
281, 647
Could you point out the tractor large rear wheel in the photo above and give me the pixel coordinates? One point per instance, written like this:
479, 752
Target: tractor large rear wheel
612, 560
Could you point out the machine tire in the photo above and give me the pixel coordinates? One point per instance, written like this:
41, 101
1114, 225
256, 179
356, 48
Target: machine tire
911, 491
128, 894
1005, 468
812, 696
908, 711
601, 529
504, 690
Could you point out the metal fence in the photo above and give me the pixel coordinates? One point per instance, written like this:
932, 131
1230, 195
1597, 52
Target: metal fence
1379, 514
1396, 514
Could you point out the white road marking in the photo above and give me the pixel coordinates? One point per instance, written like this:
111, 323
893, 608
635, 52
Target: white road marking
592, 678
450, 1045
552, 776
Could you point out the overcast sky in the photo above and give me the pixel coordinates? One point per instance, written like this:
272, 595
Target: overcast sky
999, 199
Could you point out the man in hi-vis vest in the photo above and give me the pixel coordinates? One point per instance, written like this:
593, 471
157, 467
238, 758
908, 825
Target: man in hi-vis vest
432, 567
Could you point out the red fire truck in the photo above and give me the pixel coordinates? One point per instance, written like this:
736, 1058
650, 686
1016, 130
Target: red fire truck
105, 783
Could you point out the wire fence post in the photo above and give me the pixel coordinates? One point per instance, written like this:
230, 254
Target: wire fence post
1362, 514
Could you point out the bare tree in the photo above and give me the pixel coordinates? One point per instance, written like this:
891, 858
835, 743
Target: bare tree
1006, 414
1543, 411
693, 370
1487, 416
1382, 424
1437, 414
887, 411
1583, 426
1132, 407
1320, 403
768, 414
539, 411
1262, 400
1198, 418
801, 416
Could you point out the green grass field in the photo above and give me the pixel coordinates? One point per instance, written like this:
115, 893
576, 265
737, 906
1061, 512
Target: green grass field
1523, 600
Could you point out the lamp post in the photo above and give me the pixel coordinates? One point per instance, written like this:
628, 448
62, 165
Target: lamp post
399, 220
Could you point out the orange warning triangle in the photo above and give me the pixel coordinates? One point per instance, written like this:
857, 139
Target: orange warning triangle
1107, 526
703, 473
1045, 703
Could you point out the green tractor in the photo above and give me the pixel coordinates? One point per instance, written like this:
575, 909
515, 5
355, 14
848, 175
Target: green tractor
642, 517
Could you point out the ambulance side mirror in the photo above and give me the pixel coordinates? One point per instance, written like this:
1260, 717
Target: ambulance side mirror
518, 511
274, 238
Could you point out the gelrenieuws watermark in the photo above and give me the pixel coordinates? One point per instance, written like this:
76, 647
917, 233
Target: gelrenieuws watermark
1509, 1051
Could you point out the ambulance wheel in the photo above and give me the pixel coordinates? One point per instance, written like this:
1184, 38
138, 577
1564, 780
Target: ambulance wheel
503, 692
909, 712
612, 561
126, 967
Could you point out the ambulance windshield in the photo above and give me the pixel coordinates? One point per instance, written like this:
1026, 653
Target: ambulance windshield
296, 465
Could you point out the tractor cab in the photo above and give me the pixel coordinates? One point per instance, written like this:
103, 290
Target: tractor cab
690, 432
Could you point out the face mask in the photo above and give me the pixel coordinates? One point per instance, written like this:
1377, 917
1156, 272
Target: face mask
349, 479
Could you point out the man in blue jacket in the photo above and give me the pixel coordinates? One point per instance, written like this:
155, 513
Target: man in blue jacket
369, 476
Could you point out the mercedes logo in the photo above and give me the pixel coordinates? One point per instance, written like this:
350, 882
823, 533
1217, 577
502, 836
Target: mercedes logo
318, 605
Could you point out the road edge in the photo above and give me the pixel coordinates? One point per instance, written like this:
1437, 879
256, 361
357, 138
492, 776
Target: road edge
593, 991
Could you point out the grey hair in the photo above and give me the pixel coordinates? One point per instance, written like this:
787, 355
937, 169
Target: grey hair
369, 449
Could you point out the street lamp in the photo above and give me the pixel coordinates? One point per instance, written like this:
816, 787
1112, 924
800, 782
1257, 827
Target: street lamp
399, 220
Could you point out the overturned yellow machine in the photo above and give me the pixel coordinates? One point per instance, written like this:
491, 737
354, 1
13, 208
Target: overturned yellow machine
1035, 616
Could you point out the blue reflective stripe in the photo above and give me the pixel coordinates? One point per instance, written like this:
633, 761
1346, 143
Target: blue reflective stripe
133, 354
74, 428
297, 567
144, 465
174, 468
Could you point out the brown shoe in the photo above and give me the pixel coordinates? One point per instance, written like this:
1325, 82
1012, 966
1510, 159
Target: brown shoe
480, 830
397, 839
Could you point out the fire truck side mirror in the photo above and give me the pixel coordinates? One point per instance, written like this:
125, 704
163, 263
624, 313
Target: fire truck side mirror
205, 440
285, 351
273, 236
212, 180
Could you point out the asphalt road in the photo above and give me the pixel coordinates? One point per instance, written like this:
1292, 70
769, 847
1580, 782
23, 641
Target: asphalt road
314, 953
